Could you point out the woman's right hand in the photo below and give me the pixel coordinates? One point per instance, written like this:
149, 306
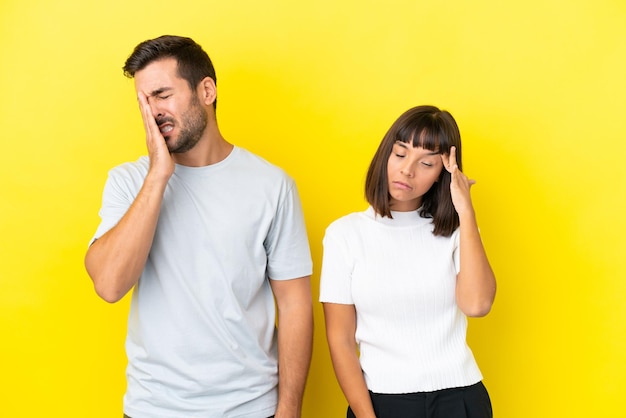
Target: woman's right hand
459, 185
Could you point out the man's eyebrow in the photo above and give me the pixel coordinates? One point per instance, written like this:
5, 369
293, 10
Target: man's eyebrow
160, 91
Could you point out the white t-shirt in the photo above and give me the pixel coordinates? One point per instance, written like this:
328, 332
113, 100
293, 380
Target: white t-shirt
401, 279
201, 336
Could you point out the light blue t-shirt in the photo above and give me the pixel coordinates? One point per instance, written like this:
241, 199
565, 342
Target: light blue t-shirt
201, 332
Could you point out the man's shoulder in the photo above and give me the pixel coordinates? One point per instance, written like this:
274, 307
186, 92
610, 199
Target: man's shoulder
259, 165
129, 175
138, 167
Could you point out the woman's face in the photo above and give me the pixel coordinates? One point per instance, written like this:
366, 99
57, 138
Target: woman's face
411, 172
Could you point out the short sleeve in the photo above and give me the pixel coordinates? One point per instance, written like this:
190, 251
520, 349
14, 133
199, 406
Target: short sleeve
287, 245
337, 266
120, 190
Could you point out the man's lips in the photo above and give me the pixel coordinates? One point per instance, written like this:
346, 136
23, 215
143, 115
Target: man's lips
165, 124
166, 128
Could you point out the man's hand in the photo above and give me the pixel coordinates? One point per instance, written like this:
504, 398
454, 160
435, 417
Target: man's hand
161, 162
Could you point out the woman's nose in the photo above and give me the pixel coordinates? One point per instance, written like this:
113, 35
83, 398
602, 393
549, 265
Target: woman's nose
407, 170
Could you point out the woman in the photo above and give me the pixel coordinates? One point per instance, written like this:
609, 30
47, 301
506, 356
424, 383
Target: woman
399, 280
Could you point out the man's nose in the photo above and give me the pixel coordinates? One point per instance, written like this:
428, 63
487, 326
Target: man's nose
156, 112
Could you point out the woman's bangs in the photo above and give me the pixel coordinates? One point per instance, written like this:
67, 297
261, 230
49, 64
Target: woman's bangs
429, 139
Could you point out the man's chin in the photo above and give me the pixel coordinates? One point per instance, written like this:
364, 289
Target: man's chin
171, 143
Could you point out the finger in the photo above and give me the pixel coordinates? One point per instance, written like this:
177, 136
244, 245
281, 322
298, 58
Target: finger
149, 123
445, 159
449, 160
143, 102
144, 108
141, 98
459, 179
146, 111
452, 159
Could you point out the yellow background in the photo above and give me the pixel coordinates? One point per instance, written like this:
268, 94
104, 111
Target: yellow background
538, 89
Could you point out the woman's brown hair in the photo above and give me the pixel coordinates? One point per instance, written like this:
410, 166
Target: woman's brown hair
432, 129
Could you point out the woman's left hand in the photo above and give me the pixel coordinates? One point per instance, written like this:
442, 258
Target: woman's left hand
460, 184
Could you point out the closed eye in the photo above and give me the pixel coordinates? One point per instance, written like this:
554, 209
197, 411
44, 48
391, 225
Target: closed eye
399, 149
162, 93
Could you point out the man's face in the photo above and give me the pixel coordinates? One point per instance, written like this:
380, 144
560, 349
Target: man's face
176, 108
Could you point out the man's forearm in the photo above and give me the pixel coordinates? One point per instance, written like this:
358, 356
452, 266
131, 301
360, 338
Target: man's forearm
295, 346
115, 261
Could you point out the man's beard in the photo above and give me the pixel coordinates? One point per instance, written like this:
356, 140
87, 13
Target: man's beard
192, 126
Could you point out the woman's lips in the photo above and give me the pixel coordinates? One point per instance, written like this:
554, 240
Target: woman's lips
402, 185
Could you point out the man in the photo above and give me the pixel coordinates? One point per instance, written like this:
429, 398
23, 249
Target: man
209, 236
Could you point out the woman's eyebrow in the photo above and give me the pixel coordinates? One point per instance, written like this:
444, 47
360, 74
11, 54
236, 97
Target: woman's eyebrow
406, 146
402, 144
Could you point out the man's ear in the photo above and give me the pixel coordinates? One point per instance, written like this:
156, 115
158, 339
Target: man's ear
207, 91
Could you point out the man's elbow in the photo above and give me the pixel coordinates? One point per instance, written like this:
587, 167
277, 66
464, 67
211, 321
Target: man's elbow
104, 287
108, 294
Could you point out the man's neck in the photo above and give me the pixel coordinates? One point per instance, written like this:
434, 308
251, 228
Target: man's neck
210, 149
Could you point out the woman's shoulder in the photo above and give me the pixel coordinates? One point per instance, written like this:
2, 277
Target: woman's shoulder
348, 222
